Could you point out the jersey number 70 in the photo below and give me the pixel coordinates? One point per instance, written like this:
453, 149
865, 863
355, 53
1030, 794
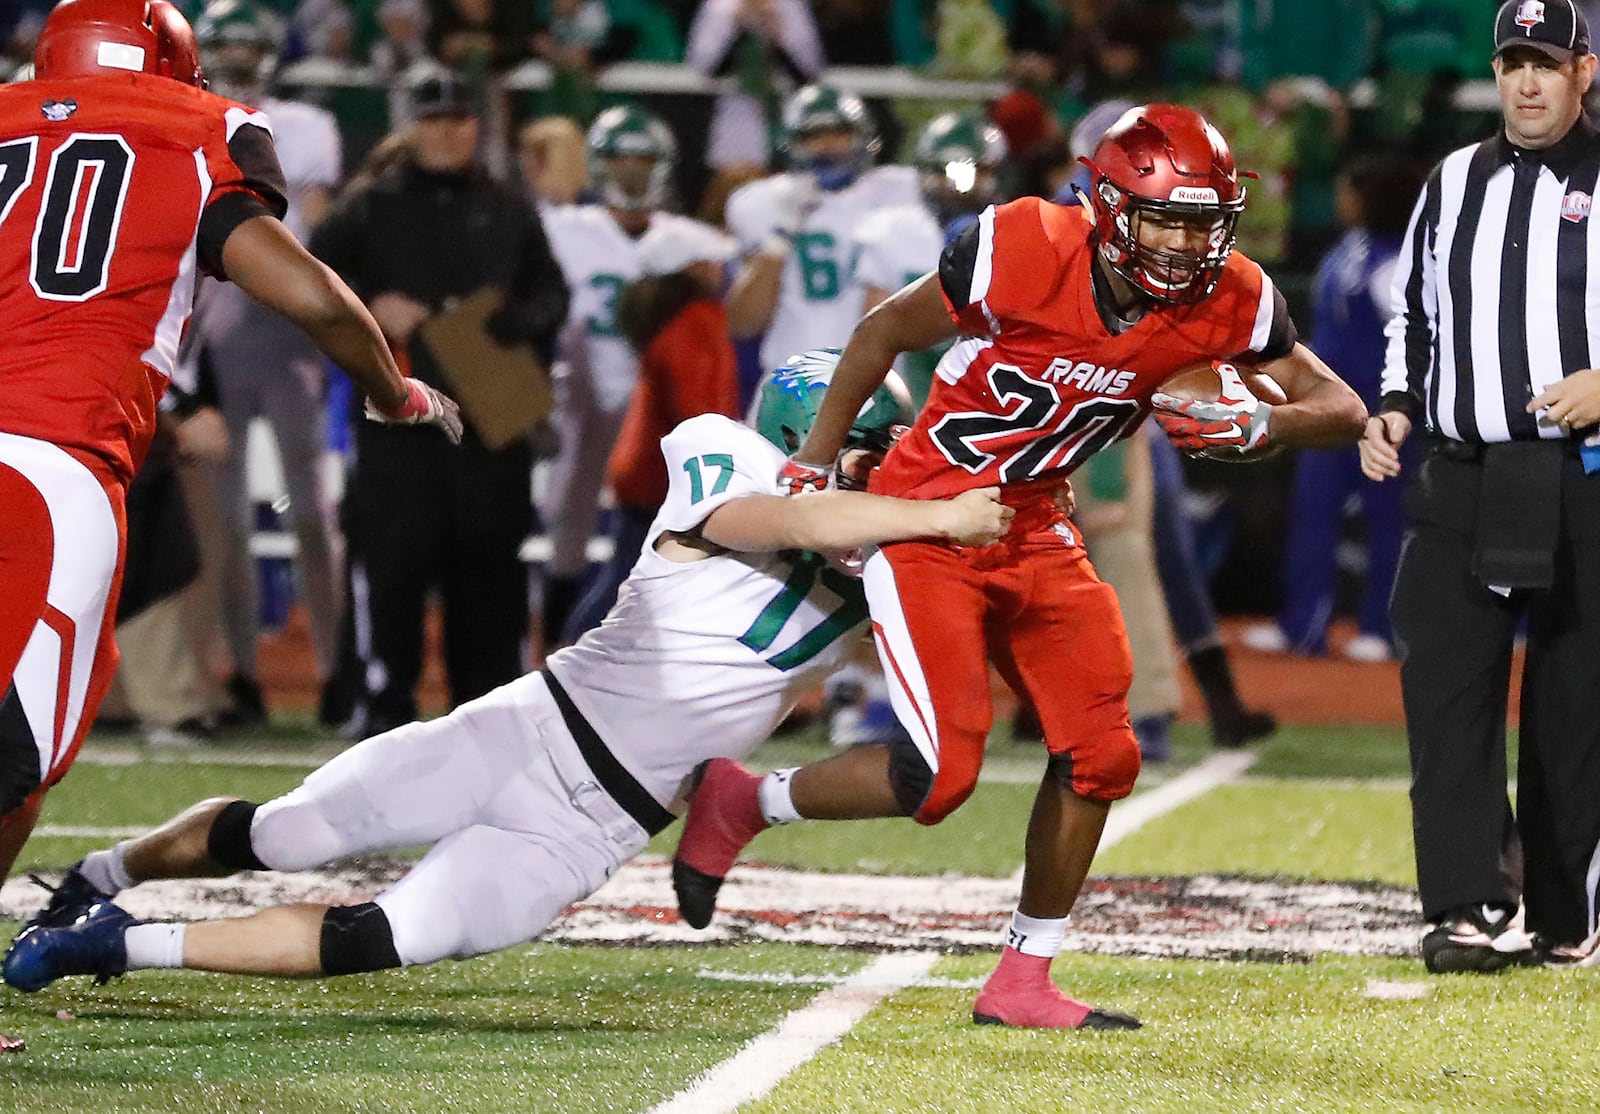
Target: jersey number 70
75, 234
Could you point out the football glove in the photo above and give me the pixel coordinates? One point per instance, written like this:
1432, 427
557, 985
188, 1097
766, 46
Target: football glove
1227, 429
799, 478
424, 405
793, 201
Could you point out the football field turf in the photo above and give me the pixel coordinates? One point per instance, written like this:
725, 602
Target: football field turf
1333, 1013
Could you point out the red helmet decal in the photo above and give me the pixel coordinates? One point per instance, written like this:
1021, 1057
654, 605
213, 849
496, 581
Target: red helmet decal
82, 38
1164, 163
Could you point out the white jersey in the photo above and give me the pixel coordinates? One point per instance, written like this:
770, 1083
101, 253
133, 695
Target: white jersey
598, 259
704, 659
819, 299
241, 334
307, 141
897, 246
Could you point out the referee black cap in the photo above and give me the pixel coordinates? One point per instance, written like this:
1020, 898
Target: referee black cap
1556, 27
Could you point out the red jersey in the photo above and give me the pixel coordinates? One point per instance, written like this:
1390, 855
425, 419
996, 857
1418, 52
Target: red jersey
1039, 383
688, 368
114, 191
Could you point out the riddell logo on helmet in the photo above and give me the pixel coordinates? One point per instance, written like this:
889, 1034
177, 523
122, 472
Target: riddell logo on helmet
1194, 195
1530, 13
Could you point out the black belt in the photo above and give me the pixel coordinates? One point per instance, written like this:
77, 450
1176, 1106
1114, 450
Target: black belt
1473, 452
611, 774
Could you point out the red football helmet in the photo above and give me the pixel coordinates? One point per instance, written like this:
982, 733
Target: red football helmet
1166, 161
86, 37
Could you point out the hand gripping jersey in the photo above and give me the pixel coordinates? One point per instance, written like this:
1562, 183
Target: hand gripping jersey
1039, 382
703, 659
114, 192
819, 298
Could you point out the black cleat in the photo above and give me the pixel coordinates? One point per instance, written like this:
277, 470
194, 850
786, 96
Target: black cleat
1476, 939
1240, 727
696, 892
74, 897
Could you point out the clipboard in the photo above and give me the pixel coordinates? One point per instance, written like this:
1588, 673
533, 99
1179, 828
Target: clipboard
504, 390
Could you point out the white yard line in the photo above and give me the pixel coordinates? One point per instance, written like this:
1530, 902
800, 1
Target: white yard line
85, 831
1134, 813
1128, 816
765, 1061
761, 1064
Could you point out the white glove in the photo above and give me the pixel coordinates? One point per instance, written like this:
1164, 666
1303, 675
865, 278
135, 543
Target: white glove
794, 199
424, 405
1233, 426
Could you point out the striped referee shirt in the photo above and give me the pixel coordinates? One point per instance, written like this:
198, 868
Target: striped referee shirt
1497, 289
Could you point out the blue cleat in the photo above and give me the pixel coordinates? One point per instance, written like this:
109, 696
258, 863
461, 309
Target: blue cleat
92, 946
69, 901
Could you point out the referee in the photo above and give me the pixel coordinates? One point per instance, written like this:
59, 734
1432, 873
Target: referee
1492, 352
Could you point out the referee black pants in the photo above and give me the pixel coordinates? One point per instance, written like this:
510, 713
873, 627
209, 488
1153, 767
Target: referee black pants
422, 516
1455, 640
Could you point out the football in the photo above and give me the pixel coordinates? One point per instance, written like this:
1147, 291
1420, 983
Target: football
1203, 384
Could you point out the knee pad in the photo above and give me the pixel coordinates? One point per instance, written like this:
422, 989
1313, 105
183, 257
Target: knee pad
910, 776
357, 938
19, 757
228, 842
1102, 768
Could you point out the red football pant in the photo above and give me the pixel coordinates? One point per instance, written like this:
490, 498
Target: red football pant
62, 531
1033, 605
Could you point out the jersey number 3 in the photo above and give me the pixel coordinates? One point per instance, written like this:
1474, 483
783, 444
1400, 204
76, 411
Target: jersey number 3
75, 234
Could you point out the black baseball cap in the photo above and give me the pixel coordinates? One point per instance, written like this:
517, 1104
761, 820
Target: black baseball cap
1555, 27
443, 95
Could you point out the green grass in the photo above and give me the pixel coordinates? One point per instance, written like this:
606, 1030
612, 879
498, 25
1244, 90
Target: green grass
1226, 1037
586, 1030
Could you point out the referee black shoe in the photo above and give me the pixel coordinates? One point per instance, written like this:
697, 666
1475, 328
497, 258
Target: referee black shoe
1476, 939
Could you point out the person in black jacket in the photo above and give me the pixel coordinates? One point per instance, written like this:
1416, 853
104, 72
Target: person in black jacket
429, 229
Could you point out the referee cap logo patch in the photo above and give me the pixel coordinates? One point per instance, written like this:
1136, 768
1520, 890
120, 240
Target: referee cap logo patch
1575, 206
1530, 12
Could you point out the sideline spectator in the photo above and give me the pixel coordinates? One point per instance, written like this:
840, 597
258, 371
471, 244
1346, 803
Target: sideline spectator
1351, 306
266, 367
416, 518
1503, 522
770, 47
672, 316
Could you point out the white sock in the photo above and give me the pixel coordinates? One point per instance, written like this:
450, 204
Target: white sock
773, 794
106, 871
154, 945
1037, 936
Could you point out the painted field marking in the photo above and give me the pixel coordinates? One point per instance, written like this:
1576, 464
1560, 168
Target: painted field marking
765, 1061
1129, 816
761, 1064
86, 831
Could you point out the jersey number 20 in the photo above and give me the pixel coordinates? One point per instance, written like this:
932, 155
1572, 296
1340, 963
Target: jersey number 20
75, 234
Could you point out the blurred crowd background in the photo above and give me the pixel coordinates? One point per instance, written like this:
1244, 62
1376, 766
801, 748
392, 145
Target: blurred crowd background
1308, 92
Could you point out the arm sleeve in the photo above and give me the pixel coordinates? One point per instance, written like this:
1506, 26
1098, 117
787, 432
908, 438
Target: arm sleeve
749, 218
711, 36
246, 182
1410, 333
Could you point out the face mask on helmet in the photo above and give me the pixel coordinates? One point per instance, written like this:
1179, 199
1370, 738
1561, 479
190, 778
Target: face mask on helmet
828, 135
791, 397
630, 159
957, 157
1166, 199
239, 44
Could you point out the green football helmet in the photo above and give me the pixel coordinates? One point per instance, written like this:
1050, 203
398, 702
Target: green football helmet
239, 44
819, 108
625, 132
791, 396
957, 156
